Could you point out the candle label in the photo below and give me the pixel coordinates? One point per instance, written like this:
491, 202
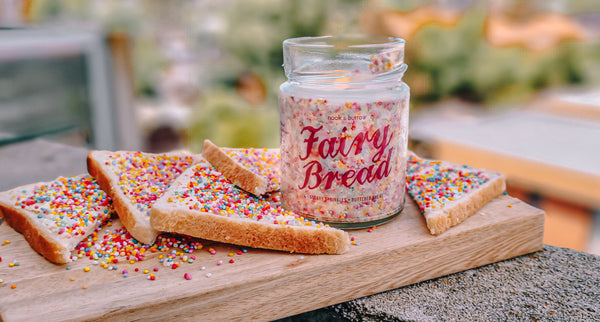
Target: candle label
344, 161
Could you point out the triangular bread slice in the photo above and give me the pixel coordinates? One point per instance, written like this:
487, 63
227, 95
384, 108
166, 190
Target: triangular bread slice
55, 216
447, 193
203, 203
135, 180
255, 170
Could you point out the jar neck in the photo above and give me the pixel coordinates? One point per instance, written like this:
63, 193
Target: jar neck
345, 78
344, 61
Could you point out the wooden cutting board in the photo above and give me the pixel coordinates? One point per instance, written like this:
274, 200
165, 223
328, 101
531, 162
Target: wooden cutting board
262, 284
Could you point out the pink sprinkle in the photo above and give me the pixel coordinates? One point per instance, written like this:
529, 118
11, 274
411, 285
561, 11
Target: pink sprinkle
187, 276
219, 262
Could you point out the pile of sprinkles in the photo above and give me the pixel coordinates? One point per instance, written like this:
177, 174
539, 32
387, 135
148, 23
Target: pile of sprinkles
264, 162
67, 206
117, 245
110, 248
433, 184
144, 177
209, 191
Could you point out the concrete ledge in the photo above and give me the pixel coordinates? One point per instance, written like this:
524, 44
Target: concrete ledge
553, 284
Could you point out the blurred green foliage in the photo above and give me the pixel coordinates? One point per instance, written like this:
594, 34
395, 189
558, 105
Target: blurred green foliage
228, 120
443, 62
459, 62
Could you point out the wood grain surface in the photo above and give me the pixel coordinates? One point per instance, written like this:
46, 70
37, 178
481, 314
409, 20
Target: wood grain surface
262, 284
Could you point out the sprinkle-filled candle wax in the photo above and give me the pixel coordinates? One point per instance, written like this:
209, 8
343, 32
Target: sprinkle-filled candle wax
344, 127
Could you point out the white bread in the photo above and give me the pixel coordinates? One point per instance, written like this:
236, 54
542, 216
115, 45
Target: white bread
203, 203
55, 216
254, 170
134, 180
448, 193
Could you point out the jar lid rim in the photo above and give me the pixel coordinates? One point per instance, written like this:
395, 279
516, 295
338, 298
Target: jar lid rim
341, 42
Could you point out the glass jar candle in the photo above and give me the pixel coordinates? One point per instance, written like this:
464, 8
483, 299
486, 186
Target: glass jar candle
344, 129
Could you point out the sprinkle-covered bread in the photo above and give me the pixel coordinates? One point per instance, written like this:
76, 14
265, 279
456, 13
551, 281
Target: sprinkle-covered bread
254, 170
55, 216
203, 203
448, 193
135, 180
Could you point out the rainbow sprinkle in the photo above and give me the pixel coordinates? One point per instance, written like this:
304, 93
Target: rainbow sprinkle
433, 184
382, 62
144, 177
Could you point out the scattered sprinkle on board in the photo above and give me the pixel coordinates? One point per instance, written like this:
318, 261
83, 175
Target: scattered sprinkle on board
45, 291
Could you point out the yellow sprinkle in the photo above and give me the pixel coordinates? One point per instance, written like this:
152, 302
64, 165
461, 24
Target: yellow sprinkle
11, 264
132, 262
86, 269
85, 287
509, 206
146, 271
6, 242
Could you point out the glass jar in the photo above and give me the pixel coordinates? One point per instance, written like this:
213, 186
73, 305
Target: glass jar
344, 129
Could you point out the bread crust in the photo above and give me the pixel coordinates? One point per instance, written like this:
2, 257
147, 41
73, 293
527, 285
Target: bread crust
246, 232
138, 226
440, 221
238, 174
39, 239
